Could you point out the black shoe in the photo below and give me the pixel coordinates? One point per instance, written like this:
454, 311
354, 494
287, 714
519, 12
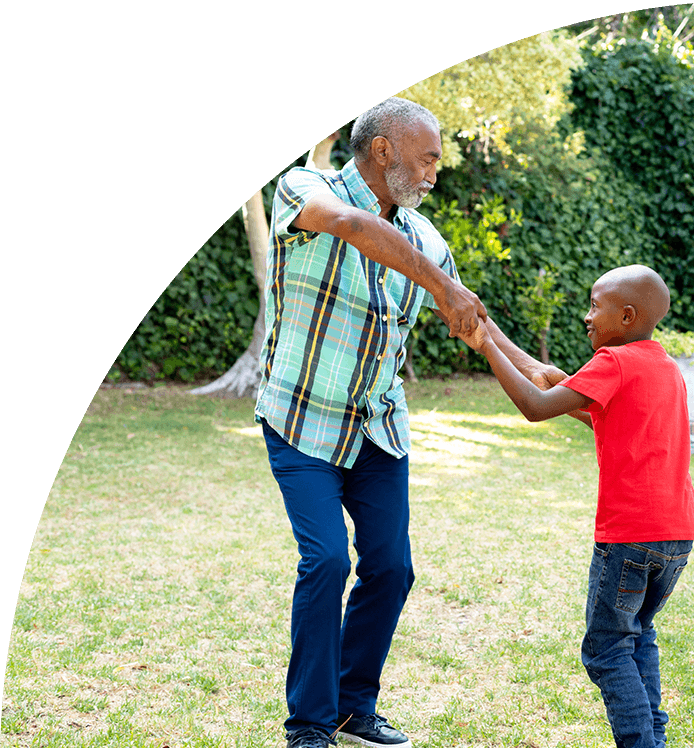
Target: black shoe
372, 730
309, 737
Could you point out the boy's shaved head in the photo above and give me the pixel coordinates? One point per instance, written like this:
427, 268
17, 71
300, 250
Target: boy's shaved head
641, 287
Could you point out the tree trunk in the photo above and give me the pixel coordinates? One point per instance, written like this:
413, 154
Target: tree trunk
319, 155
409, 367
544, 353
243, 378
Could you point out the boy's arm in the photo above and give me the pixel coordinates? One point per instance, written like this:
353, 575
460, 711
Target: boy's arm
543, 376
535, 404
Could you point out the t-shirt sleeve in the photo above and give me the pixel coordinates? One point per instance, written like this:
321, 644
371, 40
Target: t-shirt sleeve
294, 189
599, 379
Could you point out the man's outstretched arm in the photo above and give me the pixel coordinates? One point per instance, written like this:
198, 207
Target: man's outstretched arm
381, 242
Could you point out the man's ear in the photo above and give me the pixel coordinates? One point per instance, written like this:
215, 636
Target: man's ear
381, 150
629, 314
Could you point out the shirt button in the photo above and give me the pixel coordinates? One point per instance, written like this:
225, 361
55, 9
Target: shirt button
379, 357
380, 280
385, 317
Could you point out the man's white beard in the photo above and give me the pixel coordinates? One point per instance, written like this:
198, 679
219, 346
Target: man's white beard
403, 193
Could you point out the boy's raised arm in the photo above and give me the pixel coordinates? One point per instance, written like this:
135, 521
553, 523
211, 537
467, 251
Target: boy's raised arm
535, 404
542, 375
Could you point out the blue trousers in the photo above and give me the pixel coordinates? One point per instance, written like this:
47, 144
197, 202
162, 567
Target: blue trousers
336, 660
628, 584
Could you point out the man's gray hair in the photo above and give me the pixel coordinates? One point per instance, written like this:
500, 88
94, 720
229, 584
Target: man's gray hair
385, 119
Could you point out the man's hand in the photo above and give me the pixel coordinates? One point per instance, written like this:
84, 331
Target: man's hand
459, 308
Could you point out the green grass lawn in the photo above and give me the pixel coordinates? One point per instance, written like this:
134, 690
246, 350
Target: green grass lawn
155, 606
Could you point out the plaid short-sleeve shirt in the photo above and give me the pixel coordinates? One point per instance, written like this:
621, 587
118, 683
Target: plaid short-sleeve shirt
336, 325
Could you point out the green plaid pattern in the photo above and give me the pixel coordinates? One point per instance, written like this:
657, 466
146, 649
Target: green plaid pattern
336, 325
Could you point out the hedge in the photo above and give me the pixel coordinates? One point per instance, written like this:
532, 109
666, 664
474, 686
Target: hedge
635, 103
576, 222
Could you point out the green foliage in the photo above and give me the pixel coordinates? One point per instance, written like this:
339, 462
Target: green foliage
634, 24
675, 343
472, 239
487, 96
579, 221
625, 198
574, 219
539, 301
635, 102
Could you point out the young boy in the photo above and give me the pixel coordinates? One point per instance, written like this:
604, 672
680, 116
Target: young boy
636, 398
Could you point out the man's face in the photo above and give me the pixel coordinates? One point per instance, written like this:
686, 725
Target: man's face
413, 172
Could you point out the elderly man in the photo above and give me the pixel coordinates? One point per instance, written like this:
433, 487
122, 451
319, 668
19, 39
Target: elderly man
350, 264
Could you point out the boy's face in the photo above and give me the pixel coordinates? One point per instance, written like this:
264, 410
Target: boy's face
605, 320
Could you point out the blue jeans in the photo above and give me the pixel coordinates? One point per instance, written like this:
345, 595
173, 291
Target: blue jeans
628, 584
336, 660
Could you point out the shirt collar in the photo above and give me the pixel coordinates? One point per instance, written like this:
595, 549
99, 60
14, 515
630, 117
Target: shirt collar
364, 197
359, 190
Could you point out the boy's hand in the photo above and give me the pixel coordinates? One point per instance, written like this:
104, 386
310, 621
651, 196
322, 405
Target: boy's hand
547, 376
477, 338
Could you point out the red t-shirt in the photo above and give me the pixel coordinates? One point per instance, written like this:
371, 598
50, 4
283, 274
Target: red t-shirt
641, 426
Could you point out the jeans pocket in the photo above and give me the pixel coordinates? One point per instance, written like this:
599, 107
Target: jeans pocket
671, 586
632, 586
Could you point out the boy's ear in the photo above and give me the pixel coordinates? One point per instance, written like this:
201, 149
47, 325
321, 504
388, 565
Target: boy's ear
629, 314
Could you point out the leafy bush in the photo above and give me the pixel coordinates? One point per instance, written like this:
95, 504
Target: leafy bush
626, 198
675, 343
573, 220
578, 222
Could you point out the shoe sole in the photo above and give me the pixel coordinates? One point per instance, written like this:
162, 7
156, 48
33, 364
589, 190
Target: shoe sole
371, 744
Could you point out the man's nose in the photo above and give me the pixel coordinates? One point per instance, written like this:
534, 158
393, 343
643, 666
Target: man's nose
431, 174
